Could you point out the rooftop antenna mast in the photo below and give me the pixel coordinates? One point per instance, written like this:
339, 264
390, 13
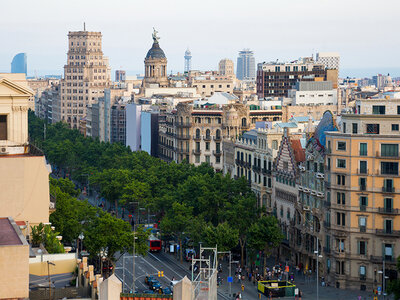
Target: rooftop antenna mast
84, 26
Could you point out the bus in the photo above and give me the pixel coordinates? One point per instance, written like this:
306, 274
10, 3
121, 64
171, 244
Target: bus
154, 243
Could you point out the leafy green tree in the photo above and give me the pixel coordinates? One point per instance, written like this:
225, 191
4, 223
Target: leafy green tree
265, 235
43, 234
109, 235
394, 285
112, 183
66, 186
136, 191
223, 235
176, 222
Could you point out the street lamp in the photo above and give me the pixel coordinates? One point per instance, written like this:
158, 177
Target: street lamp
384, 277
133, 254
48, 273
318, 256
81, 237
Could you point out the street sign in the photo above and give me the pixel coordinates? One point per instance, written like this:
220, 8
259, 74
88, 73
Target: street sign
379, 290
230, 279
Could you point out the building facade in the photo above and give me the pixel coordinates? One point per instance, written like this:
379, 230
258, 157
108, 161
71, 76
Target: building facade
362, 179
276, 79
195, 134
246, 66
226, 67
86, 75
19, 64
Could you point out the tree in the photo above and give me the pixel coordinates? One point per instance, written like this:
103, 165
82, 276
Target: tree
394, 285
109, 235
223, 235
112, 183
43, 234
264, 235
176, 222
65, 185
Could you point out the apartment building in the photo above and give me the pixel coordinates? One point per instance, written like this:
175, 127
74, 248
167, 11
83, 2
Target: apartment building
276, 79
254, 160
362, 179
195, 133
207, 85
86, 75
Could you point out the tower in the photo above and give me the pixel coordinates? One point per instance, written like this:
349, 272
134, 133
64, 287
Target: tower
188, 61
155, 64
86, 75
246, 65
19, 64
225, 67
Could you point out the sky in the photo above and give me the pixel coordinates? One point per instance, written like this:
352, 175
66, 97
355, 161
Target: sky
364, 32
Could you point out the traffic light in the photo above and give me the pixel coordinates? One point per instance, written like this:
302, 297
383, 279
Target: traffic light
160, 273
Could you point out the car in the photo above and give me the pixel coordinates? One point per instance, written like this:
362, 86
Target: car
154, 284
165, 291
148, 292
147, 279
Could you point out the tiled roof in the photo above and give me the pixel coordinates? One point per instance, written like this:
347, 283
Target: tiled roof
298, 151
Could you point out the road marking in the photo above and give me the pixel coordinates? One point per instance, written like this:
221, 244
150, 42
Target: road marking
166, 265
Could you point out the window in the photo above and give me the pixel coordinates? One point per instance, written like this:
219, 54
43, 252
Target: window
340, 267
363, 149
363, 184
363, 203
341, 146
362, 222
388, 202
388, 225
395, 127
198, 148
3, 127
341, 163
208, 159
388, 185
363, 272
340, 180
398, 109
207, 146
340, 219
197, 158
390, 150
355, 128
218, 159
373, 128
388, 251
341, 198
363, 167
378, 109
389, 168
344, 127
362, 249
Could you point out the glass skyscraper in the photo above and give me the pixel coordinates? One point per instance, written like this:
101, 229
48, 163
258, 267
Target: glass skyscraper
246, 67
19, 64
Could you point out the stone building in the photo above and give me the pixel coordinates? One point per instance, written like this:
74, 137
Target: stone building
86, 75
362, 180
155, 65
195, 134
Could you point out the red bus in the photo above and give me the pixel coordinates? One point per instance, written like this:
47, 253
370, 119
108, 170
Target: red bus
154, 243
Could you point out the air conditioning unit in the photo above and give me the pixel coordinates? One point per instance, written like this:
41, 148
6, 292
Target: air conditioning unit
3, 150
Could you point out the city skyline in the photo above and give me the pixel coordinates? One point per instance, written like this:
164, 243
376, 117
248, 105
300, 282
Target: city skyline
306, 29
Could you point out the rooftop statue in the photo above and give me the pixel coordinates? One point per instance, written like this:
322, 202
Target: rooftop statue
155, 37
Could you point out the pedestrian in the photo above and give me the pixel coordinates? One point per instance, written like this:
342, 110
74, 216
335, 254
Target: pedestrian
250, 276
239, 277
359, 297
270, 295
300, 294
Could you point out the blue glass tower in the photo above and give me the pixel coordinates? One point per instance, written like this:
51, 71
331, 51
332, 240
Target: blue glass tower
19, 64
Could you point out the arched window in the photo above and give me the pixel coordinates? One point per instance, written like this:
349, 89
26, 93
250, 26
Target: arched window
264, 201
218, 134
275, 144
208, 133
244, 122
197, 133
181, 120
187, 120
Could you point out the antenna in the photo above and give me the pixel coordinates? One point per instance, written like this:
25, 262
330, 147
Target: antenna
84, 26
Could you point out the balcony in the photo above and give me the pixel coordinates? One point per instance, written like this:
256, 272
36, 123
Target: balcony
327, 224
197, 137
239, 162
247, 165
363, 187
388, 233
378, 154
379, 259
183, 151
170, 133
388, 210
196, 151
387, 189
217, 138
217, 152
363, 229
183, 136
327, 250
183, 124
327, 203
362, 171
363, 208
256, 169
207, 138
266, 171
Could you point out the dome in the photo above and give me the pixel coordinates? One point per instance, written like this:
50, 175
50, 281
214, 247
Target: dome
155, 52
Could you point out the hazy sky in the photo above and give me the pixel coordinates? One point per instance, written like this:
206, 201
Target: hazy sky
364, 32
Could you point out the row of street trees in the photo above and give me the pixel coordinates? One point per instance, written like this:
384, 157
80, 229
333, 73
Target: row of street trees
192, 203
